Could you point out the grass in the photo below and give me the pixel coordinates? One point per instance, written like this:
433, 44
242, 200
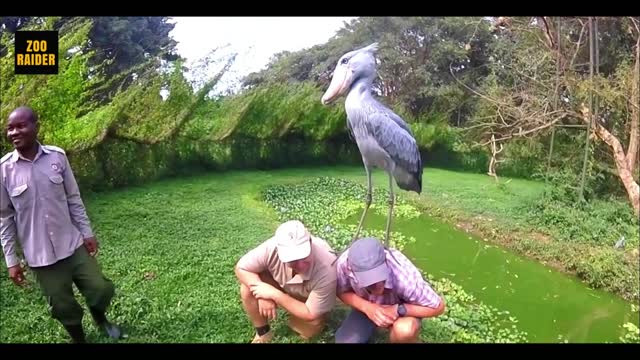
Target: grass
170, 248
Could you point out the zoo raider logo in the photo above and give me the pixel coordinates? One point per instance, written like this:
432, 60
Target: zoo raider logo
36, 52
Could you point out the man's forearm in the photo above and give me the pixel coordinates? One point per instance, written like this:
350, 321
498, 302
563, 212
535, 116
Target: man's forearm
355, 301
424, 311
293, 306
248, 278
79, 217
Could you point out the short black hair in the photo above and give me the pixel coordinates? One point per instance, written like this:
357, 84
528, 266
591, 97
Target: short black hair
29, 111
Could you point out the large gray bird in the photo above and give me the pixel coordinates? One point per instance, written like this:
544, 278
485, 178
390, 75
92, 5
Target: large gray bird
383, 138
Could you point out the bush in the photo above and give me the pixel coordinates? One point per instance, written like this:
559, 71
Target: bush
598, 221
608, 269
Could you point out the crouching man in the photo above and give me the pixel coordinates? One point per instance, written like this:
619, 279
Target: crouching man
385, 290
293, 270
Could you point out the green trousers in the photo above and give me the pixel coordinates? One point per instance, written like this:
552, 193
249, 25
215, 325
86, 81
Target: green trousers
56, 283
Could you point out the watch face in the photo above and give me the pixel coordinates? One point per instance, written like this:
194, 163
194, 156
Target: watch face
402, 311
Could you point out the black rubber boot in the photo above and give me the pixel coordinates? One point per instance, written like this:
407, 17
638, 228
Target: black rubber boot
112, 330
76, 332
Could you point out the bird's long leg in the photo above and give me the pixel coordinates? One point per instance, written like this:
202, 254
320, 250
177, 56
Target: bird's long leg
366, 204
391, 202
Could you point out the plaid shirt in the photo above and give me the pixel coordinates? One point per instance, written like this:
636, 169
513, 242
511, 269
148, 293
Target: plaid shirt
404, 285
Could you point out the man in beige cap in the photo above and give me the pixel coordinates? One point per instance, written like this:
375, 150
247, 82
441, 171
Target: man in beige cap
293, 270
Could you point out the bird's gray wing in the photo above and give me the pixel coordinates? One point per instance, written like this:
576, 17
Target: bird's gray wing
396, 139
398, 120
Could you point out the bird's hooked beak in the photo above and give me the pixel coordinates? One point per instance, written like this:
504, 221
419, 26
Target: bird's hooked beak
339, 84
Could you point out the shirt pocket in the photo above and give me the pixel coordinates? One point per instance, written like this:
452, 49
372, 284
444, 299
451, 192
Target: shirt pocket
20, 197
56, 187
56, 179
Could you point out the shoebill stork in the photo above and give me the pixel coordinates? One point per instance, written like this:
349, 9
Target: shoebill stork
384, 140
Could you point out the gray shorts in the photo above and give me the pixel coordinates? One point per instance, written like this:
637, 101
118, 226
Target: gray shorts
357, 328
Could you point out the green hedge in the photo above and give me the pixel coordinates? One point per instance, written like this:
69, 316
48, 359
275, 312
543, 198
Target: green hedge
119, 163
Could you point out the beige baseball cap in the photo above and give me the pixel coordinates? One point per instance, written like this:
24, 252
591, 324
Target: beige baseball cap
293, 241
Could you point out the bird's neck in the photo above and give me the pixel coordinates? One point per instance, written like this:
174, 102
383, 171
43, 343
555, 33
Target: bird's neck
360, 90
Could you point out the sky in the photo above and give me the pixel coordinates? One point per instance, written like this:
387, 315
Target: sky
255, 39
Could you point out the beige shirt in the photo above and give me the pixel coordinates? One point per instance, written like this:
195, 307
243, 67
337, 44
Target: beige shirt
40, 206
318, 286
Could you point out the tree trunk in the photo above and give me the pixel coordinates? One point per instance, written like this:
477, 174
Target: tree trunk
494, 157
622, 165
632, 152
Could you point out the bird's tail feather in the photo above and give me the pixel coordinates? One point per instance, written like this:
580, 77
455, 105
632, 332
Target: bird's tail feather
408, 181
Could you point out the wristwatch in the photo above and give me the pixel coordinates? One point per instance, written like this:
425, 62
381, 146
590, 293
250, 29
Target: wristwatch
402, 311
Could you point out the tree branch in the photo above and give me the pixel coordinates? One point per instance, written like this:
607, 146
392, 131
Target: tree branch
548, 33
578, 44
474, 91
521, 133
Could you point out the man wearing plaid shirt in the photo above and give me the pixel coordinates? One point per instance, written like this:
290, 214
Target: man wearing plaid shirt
385, 290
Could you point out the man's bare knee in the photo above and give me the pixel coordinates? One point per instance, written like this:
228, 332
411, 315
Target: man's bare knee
406, 328
307, 329
314, 329
319, 322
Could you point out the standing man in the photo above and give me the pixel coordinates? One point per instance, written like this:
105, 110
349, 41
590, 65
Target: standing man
293, 270
42, 211
385, 290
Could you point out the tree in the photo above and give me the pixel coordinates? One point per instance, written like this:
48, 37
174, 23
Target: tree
540, 78
129, 45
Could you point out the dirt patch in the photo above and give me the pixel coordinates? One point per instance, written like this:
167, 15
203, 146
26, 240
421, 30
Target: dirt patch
542, 238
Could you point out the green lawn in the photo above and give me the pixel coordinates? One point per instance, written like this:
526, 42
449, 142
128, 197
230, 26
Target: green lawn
170, 248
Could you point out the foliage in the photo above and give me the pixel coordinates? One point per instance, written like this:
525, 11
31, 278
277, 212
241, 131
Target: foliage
324, 204
278, 109
599, 221
127, 41
609, 269
146, 116
632, 334
522, 158
467, 321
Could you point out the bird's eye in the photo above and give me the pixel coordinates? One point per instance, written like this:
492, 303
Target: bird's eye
344, 61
